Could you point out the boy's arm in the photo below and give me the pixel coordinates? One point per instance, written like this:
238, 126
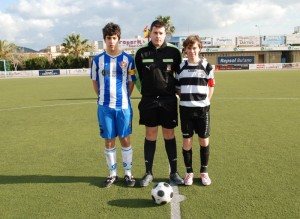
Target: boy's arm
138, 70
211, 87
131, 86
211, 92
95, 86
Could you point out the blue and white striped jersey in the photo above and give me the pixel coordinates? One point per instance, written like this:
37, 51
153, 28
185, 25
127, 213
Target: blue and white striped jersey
112, 75
193, 83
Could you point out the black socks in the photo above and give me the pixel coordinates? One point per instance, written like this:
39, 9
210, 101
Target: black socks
204, 156
171, 150
188, 160
149, 151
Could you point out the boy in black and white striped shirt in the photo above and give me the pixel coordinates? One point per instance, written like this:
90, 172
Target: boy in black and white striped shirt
195, 85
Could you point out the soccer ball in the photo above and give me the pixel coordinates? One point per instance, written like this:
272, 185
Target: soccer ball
162, 193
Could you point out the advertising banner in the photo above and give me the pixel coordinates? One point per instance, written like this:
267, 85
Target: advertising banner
132, 43
206, 41
293, 39
235, 60
248, 41
49, 72
273, 40
269, 66
232, 67
295, 65
224, 41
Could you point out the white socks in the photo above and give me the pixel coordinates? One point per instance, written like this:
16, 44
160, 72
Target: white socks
127, 159
111, 160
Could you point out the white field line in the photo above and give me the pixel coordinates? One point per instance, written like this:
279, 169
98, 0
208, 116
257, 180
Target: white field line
175, 202
42, 106
257, 98
177, 198
218, 98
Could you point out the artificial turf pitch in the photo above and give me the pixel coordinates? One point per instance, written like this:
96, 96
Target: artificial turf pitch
52, 163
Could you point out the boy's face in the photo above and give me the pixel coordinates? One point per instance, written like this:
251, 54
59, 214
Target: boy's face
192, 51
112, 42
158, 35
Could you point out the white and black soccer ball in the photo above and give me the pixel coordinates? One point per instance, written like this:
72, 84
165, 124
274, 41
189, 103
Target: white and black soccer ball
162, 193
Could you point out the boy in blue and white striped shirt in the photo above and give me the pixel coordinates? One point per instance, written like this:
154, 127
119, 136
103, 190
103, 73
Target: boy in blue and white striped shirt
113, 76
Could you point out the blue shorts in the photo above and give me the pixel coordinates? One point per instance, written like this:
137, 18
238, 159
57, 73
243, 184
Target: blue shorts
114, 122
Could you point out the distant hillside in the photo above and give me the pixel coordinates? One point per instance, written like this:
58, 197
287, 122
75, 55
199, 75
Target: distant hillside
25, 49
43, 50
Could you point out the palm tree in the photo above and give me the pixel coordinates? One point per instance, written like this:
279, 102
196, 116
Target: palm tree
74, 45
170, 29
6, 49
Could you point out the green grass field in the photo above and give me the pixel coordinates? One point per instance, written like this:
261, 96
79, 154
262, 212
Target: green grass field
52, 163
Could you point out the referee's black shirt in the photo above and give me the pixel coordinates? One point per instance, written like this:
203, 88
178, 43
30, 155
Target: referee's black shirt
156, 68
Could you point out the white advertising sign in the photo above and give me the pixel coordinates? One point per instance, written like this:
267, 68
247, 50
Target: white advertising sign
224, 41
248, 41
272, 40
132, 43
293, 39
206, 41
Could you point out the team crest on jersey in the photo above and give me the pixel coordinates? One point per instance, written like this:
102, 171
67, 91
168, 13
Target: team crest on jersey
123, 66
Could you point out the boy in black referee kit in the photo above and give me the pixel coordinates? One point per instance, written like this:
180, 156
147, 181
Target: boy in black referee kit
156, 65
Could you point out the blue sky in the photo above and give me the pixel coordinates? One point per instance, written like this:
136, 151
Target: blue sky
40, 23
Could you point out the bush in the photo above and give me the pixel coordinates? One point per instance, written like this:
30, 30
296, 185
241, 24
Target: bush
37, 63
60, 62
77, 62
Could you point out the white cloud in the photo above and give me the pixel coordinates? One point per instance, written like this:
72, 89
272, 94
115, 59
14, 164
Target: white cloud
46, 8
9, 27
248, 11
39, 23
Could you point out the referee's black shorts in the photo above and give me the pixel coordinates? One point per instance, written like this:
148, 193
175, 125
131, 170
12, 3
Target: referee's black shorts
159, 111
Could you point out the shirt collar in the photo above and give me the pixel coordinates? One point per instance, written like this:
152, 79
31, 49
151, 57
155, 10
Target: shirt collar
161, 47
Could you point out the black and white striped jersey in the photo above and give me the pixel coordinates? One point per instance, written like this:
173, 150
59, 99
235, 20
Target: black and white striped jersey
193, 81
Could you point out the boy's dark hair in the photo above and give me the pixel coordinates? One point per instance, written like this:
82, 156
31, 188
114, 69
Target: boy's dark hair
157, 23
111, 29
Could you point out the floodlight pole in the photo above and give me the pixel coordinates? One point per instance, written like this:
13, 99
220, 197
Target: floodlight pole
256, 25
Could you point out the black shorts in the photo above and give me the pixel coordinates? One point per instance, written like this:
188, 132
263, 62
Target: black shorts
156, 111
195, 120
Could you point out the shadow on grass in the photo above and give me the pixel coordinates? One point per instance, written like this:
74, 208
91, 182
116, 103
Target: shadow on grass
23, 179
136, 98
132, 203
92, 180
157, 180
